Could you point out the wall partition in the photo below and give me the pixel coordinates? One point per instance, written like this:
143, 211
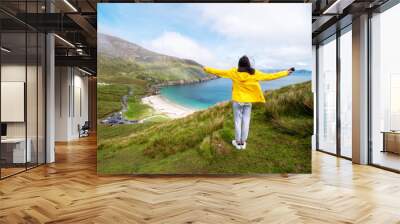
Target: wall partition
22, 98
14, 153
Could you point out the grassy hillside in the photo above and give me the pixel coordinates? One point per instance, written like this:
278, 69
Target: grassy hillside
115, 82
119, 70
120, 59
109, 99
123, 65
279, 141
120, 75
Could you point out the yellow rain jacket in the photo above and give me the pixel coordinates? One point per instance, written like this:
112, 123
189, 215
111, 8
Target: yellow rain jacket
246, 88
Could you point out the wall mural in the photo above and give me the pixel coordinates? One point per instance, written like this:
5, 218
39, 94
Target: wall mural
204, 88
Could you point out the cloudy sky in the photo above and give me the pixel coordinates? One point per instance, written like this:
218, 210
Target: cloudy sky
272, 35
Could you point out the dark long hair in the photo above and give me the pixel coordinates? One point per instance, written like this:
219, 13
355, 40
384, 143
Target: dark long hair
245, 66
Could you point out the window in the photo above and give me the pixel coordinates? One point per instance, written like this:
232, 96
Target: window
346, 93
385, 89
327, 96
22, 86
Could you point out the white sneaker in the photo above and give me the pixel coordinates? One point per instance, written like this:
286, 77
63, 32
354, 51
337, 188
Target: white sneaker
243, 146
234, 143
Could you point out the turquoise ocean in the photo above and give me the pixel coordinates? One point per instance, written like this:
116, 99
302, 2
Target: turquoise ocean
206, 94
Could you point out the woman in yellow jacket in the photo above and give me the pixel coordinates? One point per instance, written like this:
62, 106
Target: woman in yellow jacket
245, 91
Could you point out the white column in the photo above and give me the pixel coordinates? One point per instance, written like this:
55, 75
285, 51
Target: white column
314, 90
50, 92
360, 90
50, 100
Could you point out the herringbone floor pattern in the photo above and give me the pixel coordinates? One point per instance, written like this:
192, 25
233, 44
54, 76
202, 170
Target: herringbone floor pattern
69, 191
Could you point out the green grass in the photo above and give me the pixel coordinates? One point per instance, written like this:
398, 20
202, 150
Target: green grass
109, 99
118, 70
137, 110
158, 118
107, 132
279, 140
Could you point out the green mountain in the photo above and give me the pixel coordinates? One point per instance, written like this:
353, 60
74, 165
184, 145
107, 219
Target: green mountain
279, 140
120, 61
125, 67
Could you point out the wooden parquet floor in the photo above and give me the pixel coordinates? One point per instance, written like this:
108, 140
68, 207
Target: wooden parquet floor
69, 191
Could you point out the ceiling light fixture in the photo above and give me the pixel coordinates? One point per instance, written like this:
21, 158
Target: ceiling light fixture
79, 51
337, 7
5, 50
70, 5
64, 40
84, 71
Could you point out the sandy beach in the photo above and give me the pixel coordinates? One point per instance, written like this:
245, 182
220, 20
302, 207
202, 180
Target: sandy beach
163, 106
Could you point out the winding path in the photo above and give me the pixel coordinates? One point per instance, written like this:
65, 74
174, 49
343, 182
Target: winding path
118, 117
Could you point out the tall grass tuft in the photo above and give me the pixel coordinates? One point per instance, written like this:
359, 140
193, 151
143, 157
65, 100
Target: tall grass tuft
290, 108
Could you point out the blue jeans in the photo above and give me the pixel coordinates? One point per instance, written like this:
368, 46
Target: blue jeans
241, 114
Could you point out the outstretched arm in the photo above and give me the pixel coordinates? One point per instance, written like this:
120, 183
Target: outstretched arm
261, 76
217, 72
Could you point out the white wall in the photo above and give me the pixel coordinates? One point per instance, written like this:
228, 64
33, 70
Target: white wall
71, 94
62, 82
81, 88
13, 73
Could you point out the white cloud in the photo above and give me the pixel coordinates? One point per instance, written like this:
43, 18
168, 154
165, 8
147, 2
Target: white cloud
273, 34
178, 45
277, 23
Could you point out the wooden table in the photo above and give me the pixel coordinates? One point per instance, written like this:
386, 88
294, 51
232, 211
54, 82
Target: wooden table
391, 141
